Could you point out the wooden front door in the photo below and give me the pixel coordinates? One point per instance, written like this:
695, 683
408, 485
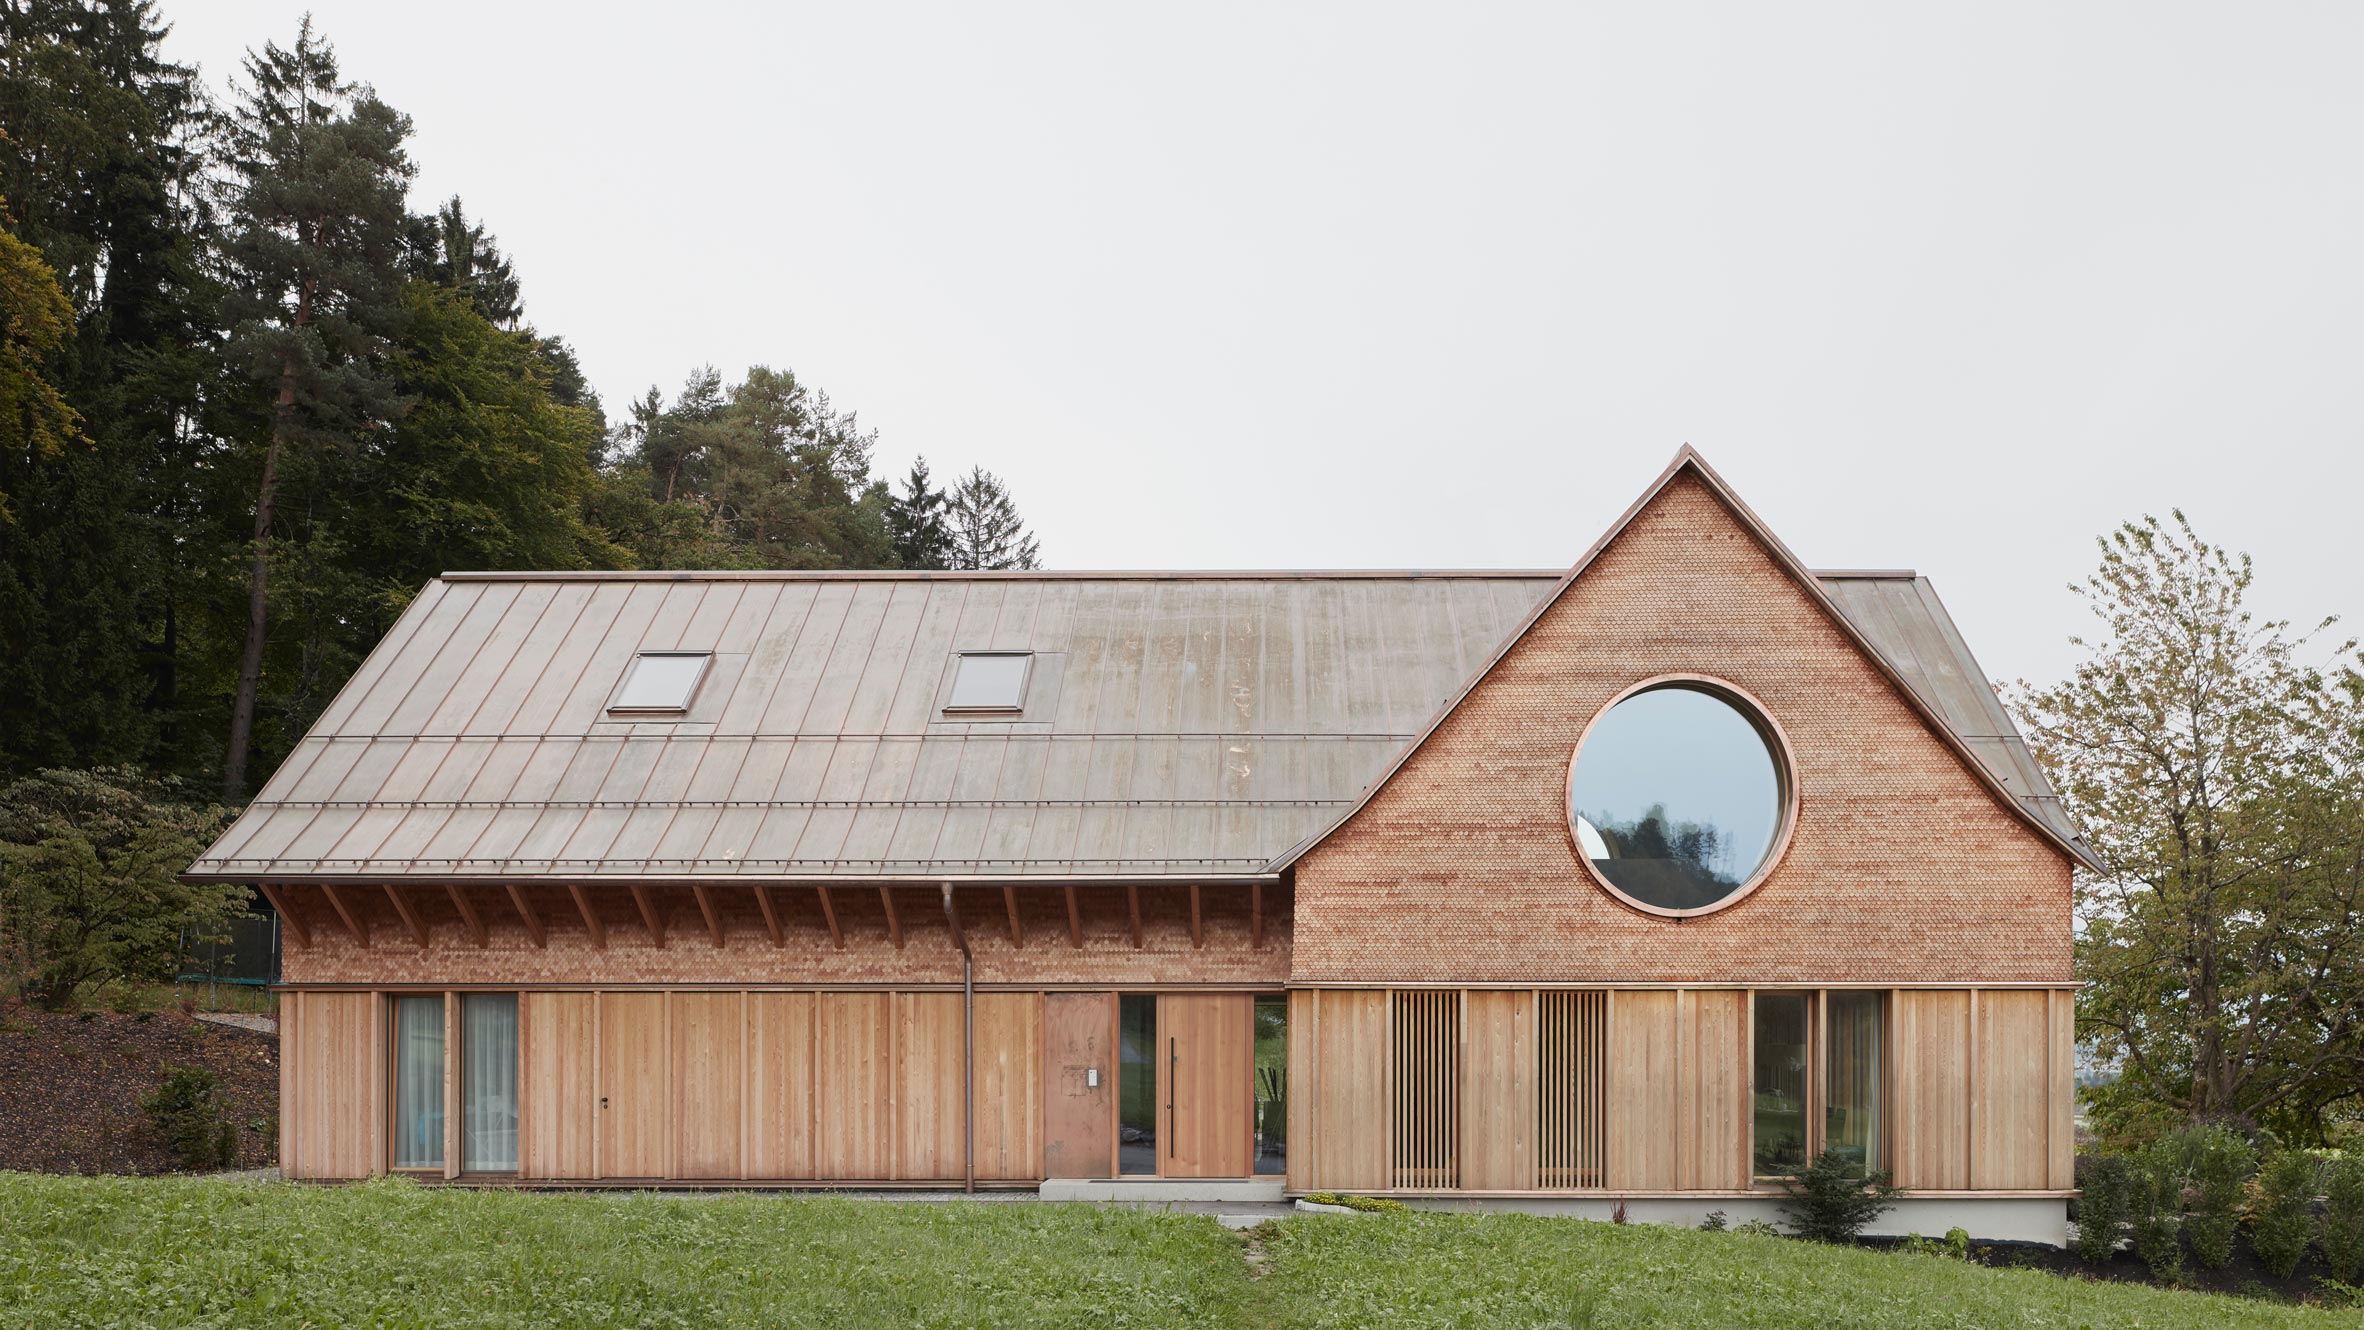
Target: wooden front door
633, 1085
1079, 1084
1207, 1047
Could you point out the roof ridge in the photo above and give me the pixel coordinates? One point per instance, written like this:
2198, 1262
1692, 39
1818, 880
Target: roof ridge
1687, 459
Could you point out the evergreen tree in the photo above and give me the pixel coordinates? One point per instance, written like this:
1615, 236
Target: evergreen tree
916, 522
767, 474
987, 532
101, 160
314, 249
459, 255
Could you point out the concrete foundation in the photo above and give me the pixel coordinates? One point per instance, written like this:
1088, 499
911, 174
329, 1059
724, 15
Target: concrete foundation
2041, 1220
1167, 1191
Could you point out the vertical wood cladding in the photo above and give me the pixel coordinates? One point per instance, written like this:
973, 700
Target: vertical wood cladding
1648, 1091
1903, 866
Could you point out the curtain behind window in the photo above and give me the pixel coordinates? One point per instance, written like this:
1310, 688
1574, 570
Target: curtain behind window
488, 1082
418, 1082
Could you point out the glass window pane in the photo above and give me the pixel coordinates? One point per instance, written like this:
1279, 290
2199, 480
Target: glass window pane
1136, 1084
992, 683
1851, 1119
1272, 1085
488, 1083
1783, 1058
660, 682
1676, 797
418, 1082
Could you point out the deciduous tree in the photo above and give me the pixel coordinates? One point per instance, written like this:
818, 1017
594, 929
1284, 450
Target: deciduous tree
90, 885
2216, 762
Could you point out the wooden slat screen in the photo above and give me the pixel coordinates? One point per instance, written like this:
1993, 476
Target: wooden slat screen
1427, 1058
1572, 1119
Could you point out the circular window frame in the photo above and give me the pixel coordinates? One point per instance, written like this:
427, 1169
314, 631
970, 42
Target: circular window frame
1756, 713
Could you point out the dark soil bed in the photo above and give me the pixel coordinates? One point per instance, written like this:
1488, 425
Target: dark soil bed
71, 1085
2244, 1277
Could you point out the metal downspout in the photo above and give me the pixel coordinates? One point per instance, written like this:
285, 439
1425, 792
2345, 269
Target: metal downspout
968, 1048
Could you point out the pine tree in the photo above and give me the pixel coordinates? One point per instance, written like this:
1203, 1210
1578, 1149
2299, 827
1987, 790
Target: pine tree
916, 522
987, 532
315, 248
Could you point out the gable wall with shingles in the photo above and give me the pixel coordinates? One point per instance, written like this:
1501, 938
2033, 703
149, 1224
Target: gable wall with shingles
1903, 866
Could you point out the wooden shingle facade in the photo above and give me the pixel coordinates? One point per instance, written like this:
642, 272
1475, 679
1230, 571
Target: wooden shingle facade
1374, 882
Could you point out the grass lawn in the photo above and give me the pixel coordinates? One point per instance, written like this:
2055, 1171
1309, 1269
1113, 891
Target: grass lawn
146, 1252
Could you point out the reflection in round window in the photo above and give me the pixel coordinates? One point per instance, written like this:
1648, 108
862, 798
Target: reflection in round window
1676, 797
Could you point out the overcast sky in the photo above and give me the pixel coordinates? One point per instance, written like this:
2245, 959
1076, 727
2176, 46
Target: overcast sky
1367, 285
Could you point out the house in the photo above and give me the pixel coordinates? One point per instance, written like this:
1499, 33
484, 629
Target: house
1638, 883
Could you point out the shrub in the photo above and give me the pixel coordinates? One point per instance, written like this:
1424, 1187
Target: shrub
89, 879
2101, 1213
1715, 1221
190, 1120
2219, 1163
2343, 1218
1831, 1201
1955, 1245
2154, 1190
2283, 1223
1758, 1228
2337, 1294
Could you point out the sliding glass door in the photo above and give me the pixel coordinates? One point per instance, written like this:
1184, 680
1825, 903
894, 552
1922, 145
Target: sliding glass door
479, 1061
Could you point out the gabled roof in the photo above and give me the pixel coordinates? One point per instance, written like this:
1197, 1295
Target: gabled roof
1186, 726
1180, 726
1908, 636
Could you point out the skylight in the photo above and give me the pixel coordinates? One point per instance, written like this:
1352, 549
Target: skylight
661, 681
989, 681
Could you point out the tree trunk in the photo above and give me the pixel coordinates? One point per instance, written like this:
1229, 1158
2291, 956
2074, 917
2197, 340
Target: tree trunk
250, 661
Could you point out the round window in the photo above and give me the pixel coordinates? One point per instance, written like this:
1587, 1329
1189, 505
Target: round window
1679, 797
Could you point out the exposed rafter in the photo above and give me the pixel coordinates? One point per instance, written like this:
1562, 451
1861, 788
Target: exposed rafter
1133, 907
355, 925
410, 916
1256, 915
288, 918
1198, 936
1009, 898
654, 922
960, 938
894, 925
1074, 920
468, 915
829, 913
591, 922
705, 897
525, 912
771, 916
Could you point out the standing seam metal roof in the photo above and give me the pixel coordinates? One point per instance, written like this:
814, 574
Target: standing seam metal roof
1193, 725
